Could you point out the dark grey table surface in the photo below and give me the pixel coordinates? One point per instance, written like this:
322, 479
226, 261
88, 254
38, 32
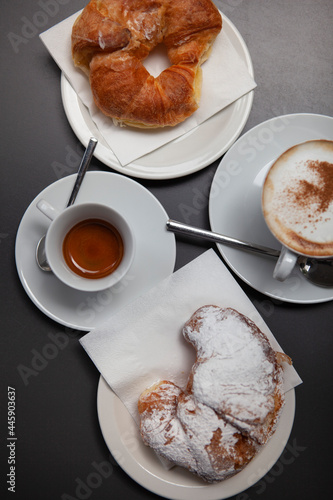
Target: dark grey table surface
58, 434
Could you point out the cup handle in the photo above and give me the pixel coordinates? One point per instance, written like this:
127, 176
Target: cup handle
47, 209
285, 264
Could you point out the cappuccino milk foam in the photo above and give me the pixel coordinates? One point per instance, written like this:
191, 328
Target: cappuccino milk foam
297, 198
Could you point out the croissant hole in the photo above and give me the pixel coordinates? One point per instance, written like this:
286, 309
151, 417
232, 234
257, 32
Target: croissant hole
157, 60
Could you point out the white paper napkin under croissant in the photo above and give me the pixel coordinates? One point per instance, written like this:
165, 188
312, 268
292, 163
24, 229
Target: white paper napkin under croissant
225, 79
143, 343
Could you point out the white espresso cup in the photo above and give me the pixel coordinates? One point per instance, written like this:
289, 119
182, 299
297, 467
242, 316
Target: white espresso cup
297, 203
89, 246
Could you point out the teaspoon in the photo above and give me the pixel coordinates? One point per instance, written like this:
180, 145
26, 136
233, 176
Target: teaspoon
85, 162
318, 272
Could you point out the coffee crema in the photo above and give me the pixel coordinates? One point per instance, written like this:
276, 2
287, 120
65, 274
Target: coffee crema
93, 248
297, 198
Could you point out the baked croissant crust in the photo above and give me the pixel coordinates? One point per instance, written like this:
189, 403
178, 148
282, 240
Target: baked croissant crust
111, 39
231, 404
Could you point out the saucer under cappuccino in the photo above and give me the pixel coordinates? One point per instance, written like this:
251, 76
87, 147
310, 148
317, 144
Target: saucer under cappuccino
297, 198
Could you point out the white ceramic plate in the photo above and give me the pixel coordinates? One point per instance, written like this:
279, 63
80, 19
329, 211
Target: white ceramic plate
235, 203
122, 437
186, 154
154, 259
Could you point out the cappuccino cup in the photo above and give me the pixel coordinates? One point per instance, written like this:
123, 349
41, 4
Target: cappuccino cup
297, 203
89, 246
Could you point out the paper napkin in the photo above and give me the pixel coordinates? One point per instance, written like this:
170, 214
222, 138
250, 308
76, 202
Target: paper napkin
225, 79
143, 343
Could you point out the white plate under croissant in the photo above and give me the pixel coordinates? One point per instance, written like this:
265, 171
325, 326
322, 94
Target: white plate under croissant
228, 425
123, 439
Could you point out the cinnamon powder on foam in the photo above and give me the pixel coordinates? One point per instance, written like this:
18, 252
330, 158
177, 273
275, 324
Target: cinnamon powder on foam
320, 195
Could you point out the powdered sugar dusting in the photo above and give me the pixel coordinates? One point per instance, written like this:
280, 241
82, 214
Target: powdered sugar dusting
161, 429
233, 374
184, 431
231, 403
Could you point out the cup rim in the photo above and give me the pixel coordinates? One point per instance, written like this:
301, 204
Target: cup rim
59, 266
297, 251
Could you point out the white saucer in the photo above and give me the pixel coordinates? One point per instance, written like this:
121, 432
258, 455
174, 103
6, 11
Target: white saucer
235, 203
122, 437
154, 259
184, 155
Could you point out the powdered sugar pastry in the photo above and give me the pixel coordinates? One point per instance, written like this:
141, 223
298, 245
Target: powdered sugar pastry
231, 404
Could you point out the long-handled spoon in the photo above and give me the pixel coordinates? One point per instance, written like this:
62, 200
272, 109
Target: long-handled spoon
85, 162
319, 272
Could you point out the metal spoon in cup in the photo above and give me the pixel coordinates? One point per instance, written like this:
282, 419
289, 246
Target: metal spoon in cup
318, 272
85, 162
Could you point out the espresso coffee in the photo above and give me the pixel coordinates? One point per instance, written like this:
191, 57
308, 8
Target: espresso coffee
297, 198
93, 248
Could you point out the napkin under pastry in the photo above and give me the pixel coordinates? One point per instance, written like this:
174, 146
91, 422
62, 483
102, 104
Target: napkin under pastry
225, 79
143, 342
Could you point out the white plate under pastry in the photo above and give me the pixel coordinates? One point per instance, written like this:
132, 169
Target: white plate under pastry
187, 154
122, 437
235, 203
154, 259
